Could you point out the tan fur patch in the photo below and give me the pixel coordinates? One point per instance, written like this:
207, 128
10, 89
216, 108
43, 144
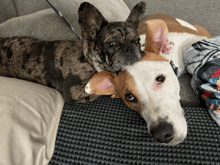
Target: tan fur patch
173, 25
96, 81
124, 83
152, 28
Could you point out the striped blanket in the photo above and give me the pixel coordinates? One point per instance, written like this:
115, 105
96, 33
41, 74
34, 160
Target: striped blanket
203, 62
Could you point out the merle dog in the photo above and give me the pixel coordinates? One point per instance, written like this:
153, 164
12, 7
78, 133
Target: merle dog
68, 65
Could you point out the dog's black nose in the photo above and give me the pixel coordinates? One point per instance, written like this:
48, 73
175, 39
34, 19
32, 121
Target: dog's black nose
162, 133
128, 48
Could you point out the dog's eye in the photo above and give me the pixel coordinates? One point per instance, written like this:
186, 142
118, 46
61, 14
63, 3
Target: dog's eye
136, 41
111, 44
131, 98
160, 78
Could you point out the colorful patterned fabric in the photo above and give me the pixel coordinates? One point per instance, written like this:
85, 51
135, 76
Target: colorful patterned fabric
203, 62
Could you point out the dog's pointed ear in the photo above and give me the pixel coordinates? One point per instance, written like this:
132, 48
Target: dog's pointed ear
102, 83
136, 13
156, 38
90, 20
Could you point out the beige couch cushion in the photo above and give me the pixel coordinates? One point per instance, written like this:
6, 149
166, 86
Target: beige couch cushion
29, 118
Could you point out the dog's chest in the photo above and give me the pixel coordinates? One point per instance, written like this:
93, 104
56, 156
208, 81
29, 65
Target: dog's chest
181, 41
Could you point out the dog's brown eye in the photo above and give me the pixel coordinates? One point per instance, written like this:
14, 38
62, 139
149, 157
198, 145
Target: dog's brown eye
160, 78
129, 97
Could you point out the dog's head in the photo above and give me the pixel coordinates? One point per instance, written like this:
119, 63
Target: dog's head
110, 45
150, 87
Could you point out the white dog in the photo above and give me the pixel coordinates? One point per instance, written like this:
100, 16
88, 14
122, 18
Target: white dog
150, 86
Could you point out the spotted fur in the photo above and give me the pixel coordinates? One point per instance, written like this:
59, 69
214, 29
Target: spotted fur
57, 64
68, 65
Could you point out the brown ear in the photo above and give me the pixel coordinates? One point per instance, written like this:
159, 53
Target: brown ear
156, 38
102, 83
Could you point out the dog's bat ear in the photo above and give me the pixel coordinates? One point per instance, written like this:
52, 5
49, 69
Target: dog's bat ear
156, 38
136, 13
90, 20
102, 83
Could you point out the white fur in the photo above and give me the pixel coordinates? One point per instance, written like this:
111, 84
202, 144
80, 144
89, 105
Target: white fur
186, 24
181, 41
142, 41
163, 103
87, 88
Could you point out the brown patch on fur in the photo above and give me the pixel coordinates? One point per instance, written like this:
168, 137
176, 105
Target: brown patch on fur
152, 27
98, 79
124, 83
21, 62
203, 31
173, 25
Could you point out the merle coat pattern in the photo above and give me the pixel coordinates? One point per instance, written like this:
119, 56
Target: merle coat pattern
68, 65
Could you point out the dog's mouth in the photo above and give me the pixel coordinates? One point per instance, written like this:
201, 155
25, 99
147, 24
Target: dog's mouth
119, 64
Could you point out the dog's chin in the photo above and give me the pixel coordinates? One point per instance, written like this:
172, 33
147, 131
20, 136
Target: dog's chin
176, 141
119, 66
119, 69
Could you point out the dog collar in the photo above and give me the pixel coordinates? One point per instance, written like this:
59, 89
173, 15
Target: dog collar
175, 69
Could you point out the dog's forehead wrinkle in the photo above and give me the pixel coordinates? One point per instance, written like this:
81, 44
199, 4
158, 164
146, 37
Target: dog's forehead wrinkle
121, 32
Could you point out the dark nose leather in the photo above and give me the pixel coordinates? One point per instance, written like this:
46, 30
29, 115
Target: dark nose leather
128, 48
163, 132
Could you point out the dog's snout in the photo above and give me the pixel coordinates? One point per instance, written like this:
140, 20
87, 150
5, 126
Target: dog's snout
128, 48
163, 132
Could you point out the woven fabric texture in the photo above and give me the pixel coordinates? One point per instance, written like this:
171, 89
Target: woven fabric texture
106, 132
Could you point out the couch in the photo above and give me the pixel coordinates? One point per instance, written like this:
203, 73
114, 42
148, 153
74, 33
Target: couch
104, 131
